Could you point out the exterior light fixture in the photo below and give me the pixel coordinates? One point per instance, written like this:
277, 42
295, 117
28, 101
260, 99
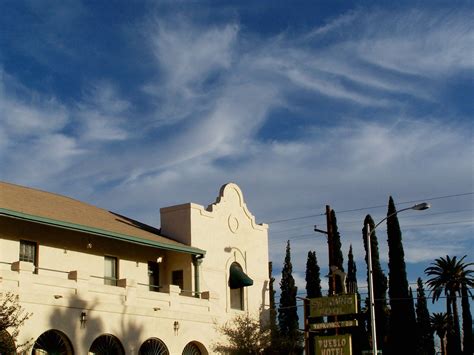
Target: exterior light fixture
159, 259
89, 244
418, 207
156, 308
83, 319
58, 296
176, 327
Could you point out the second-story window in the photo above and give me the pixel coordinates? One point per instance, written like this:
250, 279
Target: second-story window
110, 270
28, 252
154, 276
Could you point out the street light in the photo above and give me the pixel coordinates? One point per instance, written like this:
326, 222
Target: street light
417, 207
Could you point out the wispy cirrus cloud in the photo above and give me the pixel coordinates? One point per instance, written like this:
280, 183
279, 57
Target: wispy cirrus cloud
353, 94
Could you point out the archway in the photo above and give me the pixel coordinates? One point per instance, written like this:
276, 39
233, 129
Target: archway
153, 346
107, 344
53, 342
194, 348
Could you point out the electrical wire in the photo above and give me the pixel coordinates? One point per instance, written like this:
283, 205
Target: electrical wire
370, 207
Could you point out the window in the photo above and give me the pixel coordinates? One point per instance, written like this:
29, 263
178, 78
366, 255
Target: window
237, 298
28, 252
110, 270
177, 278
154, 276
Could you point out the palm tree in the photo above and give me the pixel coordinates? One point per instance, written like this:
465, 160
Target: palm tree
439, 323
448, 275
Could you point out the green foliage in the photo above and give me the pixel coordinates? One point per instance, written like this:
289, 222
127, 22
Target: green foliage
273, 313
337, 257
440, 325
287, 311
402, 316
313, 278
12, 317
466, 321
245, 336
380, 284
448, 276
424, 330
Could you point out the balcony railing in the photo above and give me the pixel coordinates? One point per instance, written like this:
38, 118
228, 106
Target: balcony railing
60, 286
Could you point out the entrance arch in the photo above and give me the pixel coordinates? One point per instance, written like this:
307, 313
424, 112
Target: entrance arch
107, 344
194, 348
53, 342
153, 346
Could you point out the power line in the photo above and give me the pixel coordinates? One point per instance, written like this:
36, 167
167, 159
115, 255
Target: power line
370, 207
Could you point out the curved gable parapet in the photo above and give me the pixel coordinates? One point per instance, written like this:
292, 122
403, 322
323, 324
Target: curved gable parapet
231, 194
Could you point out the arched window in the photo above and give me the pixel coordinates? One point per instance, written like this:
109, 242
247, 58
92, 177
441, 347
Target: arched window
193, 349
153, 346
53, 342
107, 344
237, 281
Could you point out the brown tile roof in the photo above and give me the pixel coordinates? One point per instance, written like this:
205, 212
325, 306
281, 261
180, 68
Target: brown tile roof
49, 208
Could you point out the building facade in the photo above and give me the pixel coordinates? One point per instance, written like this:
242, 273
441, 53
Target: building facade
97, 282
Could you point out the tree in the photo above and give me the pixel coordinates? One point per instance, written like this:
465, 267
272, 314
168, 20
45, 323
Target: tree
12, 317
402, 313
448, 275
359, 333
466, 321
273, 313
245, 336
287, 312
313, 278
337, 257
439, 324
313, 289
380, 283
424, 330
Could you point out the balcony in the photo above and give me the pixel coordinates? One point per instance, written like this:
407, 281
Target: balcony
78, 289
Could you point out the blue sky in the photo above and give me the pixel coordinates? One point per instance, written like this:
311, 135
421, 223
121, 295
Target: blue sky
137, 105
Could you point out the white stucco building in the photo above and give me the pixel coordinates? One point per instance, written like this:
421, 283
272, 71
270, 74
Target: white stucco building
100, 283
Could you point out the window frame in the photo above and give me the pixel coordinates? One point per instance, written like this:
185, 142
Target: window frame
22, 257
111, 280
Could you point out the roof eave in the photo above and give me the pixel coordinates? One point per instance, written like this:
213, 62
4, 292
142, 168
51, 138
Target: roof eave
100, 232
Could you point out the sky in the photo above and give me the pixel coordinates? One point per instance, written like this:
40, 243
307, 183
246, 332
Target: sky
137, 105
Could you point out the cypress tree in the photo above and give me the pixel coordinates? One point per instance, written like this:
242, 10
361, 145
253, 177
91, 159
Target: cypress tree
423, 324
313, 290
338, 259
359, 333
313, 278
380, 284
287, 311
273, 313
466, 321
402, 316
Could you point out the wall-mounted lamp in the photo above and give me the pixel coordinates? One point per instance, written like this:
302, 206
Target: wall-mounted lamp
83, 319
156, 308
58, 296
159, 259
89, 244
176, 327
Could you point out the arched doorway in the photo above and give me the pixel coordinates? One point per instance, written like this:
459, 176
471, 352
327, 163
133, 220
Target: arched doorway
53, 342
194, 348
107, 344
153, 346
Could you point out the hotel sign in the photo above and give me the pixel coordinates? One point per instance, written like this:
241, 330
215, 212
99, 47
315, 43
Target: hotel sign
333, 305
333, 345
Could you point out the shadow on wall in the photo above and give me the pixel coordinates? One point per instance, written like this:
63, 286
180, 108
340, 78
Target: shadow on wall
81, 323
